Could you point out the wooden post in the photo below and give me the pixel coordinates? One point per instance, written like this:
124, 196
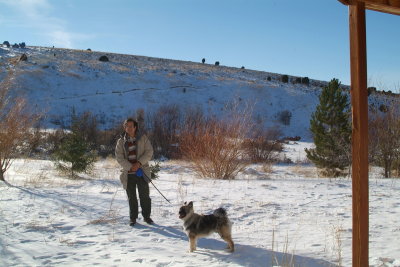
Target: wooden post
359, 101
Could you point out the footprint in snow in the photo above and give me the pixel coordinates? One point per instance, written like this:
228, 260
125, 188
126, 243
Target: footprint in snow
144, 235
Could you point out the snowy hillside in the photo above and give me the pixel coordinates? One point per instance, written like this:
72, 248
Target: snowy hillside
57, 80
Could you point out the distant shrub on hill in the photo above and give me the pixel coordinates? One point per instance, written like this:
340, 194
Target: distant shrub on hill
285, 78
284, 117
23, 57
305, 80
104, 58
203, 60
383, 108
291, 138
371, 90
216, 63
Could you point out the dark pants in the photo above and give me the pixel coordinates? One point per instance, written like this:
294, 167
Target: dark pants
144, 196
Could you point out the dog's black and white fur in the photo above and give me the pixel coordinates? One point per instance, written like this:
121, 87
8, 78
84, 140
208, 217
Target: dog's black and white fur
198, 225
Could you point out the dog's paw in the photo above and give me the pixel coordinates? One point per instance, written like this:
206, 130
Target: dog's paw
229, 249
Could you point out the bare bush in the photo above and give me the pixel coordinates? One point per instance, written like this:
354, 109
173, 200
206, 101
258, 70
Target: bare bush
384, 142
164, 125
194, 119
103, 141
214, 146
86, 125
51, 140
264, 146
36, 137
15, 125
107, 139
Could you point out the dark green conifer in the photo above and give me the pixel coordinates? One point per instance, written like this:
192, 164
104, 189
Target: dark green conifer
74, 155
331, 129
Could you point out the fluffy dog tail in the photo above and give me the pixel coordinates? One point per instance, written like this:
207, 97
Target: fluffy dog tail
220, 212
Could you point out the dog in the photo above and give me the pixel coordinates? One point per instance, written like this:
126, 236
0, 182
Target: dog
198, 225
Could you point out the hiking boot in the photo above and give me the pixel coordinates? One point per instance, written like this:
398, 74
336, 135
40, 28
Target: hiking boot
148, 220
132, 223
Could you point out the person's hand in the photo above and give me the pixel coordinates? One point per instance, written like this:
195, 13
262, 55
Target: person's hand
135, 166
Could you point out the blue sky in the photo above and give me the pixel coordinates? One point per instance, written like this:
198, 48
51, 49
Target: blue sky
303, 38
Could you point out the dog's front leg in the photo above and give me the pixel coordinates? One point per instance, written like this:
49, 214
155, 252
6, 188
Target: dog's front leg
192, 243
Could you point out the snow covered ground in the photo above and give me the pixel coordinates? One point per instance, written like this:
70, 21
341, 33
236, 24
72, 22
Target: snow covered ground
50, 220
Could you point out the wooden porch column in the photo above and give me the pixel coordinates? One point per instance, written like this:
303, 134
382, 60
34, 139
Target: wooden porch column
359, 101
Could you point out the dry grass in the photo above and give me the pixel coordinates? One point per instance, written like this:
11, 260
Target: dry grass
305, 170
338, 246
36, 226
281, 256
267, 167
66, 241
286, 259
181, 191
120, 68
111, 216
37, 180
73, 74
34, 73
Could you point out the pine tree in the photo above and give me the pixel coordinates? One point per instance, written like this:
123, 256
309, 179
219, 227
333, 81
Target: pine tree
331, 129
74, 155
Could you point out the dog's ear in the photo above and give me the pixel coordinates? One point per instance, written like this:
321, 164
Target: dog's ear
185, 203
190, 204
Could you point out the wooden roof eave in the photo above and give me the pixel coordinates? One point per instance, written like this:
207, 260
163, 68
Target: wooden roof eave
386, 6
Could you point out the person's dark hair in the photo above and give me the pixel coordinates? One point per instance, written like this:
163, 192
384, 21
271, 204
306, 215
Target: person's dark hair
131, 120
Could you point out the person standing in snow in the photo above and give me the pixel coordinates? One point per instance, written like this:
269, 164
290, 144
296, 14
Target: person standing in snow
133, 152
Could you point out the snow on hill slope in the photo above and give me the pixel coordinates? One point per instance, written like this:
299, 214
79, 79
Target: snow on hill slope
59, 80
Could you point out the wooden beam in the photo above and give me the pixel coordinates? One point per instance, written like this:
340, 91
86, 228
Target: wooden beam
386, 6
359, 101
